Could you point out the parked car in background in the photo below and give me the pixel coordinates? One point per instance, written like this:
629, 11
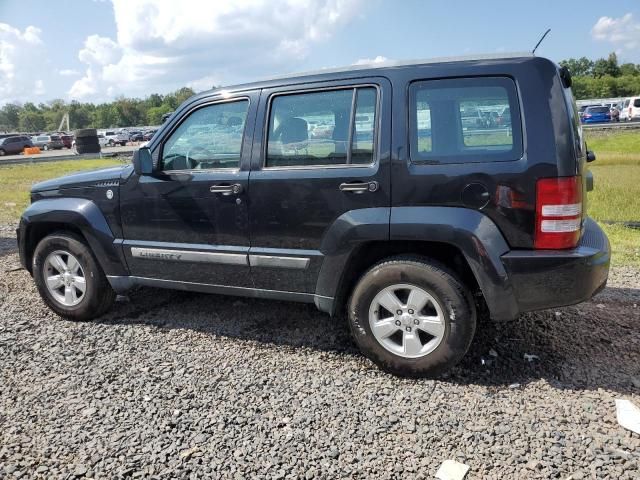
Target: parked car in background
615, 113
584, 107
67, 140
14, 145
630, 109
48, 142
136, 136
115, 138
148, 135
599, 114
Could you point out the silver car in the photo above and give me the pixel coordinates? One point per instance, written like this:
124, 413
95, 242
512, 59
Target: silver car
47, 142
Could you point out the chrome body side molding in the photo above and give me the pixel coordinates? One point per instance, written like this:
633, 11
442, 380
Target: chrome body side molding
279, 262
189, 256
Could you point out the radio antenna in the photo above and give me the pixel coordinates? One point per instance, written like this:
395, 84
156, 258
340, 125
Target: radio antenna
533, 52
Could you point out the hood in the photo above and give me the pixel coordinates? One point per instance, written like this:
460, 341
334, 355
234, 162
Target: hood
87, 178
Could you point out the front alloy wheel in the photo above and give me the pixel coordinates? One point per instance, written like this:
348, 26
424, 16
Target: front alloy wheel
65, 278
69, 279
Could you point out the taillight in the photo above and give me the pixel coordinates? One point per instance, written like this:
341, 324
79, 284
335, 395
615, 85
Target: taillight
558, 212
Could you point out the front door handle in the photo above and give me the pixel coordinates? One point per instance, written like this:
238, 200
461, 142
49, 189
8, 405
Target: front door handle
226, 189
359, 187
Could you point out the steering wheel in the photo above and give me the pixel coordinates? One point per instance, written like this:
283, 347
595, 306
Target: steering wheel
192, 163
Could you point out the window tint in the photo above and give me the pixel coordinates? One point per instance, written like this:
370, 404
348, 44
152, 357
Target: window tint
598, 110
210, 137
322, 128
636, 102
465, 120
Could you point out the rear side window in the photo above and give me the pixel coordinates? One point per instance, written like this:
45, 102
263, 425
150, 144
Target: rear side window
332, 127
464, 120
636, 102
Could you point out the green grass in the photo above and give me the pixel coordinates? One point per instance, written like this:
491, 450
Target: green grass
612, 141
16, 181
625, 245
616, 193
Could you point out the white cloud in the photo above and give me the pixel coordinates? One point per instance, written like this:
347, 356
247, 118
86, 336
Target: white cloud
372, 61
68, 72
163, 44
20, 63
99, 50
623, 32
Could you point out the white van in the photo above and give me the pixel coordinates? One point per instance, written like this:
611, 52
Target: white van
630, 109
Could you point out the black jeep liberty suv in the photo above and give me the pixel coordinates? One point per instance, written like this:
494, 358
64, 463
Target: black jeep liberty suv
409, 195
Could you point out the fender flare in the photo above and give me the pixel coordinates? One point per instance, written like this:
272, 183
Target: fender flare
83, 215
470, 231
476, 236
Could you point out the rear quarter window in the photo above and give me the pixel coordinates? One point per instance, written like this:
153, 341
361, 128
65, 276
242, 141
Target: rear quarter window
464, 120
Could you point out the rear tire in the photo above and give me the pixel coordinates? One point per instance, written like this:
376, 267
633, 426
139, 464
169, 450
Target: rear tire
59, 280
401, 345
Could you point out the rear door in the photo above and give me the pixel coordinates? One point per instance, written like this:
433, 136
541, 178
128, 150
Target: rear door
320, 151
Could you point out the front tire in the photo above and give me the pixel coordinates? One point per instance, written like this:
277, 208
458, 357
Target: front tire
412, 317
69, 279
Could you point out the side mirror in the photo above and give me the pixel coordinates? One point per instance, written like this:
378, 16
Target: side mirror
142, 161
591, 157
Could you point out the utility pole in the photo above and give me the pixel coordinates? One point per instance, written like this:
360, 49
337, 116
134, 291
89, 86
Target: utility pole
65, 118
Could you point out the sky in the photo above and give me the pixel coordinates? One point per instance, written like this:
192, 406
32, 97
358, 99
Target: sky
98, 50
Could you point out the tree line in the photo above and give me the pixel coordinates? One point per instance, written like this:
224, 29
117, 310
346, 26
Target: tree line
603, 78
122, 112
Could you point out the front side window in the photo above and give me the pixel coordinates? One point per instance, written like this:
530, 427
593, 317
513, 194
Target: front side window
334, 127
636, 102
209, 138
465, 120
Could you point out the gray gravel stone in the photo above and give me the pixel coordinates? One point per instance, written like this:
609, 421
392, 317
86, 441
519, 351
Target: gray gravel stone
182, 385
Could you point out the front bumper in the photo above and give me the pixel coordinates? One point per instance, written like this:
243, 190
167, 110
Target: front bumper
555, 278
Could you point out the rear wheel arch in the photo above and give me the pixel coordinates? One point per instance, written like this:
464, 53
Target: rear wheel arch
368, 254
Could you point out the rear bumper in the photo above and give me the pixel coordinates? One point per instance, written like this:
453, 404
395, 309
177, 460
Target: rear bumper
555, 278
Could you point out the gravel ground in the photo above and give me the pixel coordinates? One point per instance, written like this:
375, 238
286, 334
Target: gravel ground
180, 385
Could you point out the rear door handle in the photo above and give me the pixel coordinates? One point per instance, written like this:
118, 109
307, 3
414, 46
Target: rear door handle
226, 189
359, 187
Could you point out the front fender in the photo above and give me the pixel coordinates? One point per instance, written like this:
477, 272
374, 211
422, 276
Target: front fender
80, 213
475, 235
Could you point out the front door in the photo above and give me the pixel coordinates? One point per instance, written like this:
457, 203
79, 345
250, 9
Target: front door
189, 222
320, 152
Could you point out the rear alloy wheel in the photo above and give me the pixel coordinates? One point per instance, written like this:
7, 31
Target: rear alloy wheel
2, 153
406, 320
46, 147
412, 317
69, 279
